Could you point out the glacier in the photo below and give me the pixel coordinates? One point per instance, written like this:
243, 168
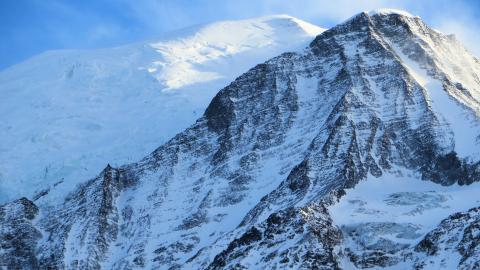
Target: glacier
65, 114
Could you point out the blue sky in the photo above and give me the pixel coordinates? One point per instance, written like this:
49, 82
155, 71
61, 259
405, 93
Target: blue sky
29, 27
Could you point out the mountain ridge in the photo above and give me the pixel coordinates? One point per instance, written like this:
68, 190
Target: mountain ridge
252, 183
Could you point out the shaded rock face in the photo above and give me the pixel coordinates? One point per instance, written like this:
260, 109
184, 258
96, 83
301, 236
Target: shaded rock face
248, 185
458, 233
291, 238
78, 232
18, 235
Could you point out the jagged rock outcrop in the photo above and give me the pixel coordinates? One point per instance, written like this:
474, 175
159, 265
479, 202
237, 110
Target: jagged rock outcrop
249, 184
79, 232
309, 228
18, 235
457, 234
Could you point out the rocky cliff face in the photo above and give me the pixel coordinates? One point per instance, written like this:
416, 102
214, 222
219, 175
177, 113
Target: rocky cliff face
18, 235
457, 234
251, 183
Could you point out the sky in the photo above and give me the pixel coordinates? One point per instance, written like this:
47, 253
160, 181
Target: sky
29, 27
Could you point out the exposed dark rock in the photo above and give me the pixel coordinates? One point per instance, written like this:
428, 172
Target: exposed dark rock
18, 235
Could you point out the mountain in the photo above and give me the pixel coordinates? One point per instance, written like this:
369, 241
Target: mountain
361, 151
65, 114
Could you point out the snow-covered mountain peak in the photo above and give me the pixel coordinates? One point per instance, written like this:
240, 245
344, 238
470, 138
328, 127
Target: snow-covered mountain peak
433, 60
384, 12
209, 44
309, 160
64, 114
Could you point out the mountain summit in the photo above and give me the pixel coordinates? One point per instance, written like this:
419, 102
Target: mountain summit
352, 153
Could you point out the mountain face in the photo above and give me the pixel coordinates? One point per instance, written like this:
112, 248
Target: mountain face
360, 151
65, 114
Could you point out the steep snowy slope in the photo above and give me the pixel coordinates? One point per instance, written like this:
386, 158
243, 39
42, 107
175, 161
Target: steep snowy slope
278, 171
65, 114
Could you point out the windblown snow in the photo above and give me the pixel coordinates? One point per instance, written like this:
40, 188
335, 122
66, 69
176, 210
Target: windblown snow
65, 114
